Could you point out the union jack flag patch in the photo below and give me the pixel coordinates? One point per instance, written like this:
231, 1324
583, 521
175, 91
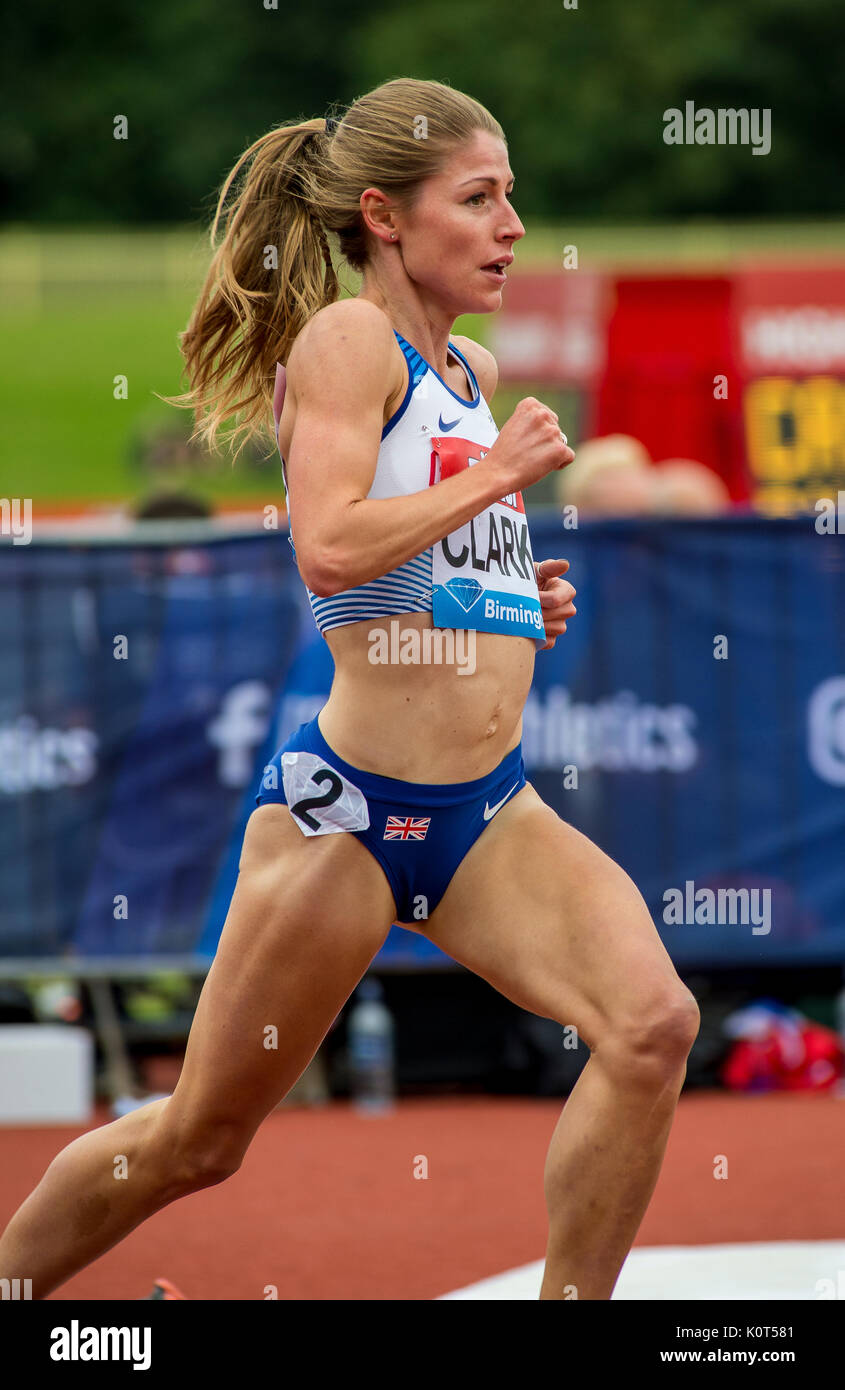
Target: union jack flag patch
406, 827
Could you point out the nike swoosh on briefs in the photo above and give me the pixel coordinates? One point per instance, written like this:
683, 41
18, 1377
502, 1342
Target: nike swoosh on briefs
490, 811
447, 424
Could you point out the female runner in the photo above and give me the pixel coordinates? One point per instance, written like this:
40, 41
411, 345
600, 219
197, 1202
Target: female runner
405, 800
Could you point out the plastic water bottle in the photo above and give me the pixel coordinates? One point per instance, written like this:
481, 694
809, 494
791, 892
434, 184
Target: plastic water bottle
370, 1051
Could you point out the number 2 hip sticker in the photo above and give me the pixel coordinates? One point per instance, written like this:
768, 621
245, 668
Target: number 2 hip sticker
323, 801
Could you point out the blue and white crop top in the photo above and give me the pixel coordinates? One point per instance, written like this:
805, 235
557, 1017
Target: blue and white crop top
482, 575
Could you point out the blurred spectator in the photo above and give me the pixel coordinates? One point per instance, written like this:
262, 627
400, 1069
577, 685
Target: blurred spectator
609, 476
164, 505
614, 476
683, 487
177, 560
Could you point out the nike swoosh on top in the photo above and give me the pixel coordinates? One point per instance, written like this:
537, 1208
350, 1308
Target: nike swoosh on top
447, 424
490, 811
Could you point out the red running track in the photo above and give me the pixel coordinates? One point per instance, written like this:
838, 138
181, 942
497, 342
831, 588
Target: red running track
326, 1205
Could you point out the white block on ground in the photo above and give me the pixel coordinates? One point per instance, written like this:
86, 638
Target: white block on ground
767, 1270
46, 1074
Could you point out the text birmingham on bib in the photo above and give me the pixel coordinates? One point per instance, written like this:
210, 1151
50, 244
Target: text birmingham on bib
482, 574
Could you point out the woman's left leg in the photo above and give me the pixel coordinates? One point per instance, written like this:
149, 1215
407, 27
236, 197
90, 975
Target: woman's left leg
555, 925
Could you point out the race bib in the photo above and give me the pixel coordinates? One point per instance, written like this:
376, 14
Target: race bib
483, 573
320, 798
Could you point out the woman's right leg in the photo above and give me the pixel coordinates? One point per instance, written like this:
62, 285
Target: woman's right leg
306, 918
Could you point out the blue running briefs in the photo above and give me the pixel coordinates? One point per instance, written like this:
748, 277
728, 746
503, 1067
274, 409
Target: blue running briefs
419, 832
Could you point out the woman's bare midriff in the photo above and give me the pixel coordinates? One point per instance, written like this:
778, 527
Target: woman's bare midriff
425, 719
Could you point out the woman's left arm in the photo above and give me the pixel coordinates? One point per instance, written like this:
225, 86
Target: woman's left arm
556, 595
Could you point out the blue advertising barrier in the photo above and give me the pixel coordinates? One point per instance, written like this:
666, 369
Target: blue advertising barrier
691, 722
138, 684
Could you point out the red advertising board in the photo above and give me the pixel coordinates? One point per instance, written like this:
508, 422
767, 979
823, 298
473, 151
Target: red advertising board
553, 328
744, 371
788, 328
669, 371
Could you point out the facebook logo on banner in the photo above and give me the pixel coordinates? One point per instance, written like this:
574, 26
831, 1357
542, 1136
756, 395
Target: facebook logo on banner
238, 729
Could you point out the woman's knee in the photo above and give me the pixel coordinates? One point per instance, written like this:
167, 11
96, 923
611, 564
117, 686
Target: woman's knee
201, 1152
657, 1037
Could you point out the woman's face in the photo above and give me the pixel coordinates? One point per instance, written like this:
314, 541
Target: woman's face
462, 221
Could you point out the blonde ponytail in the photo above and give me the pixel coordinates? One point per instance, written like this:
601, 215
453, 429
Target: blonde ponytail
273, 269
270, 273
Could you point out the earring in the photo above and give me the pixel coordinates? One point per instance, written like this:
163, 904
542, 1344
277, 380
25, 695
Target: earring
392, 236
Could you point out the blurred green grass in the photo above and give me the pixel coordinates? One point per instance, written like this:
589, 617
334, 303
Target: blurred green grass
81, 307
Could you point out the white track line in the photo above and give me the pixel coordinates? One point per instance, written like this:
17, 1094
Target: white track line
789, 1269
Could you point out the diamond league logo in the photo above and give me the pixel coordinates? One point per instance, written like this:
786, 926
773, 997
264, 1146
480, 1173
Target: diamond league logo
466, 591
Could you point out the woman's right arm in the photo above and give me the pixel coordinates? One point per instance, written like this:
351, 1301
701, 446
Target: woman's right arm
341, 376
